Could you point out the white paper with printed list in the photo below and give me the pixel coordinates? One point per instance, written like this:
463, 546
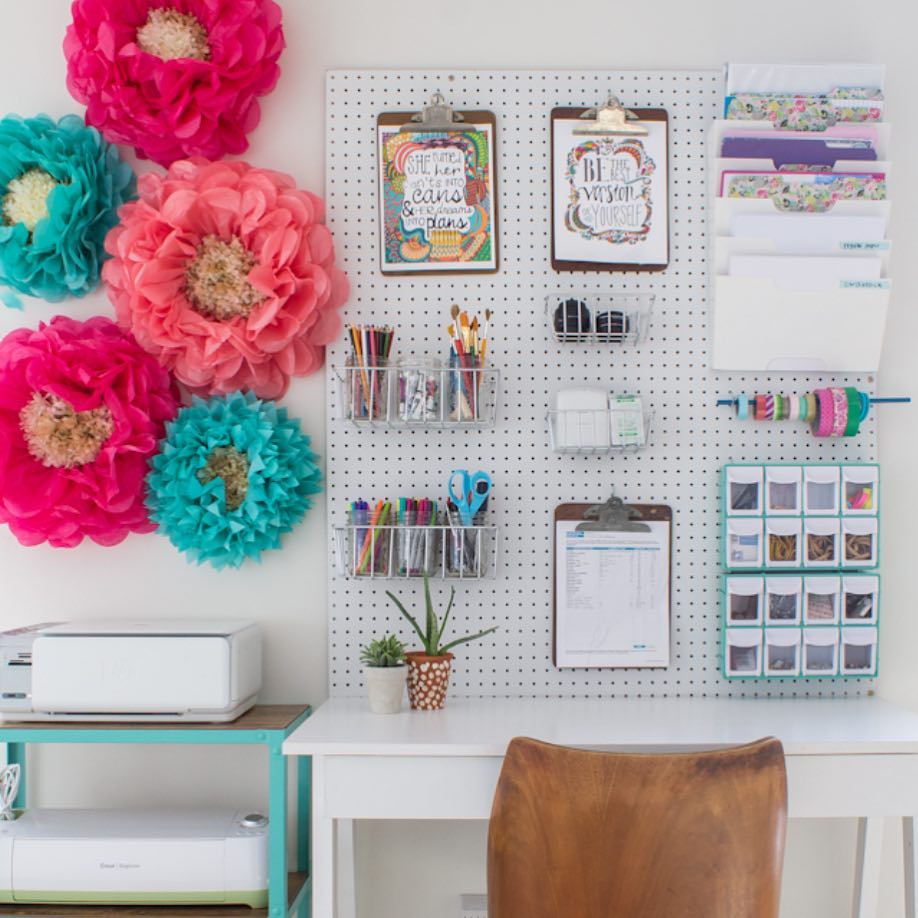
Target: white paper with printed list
612, 604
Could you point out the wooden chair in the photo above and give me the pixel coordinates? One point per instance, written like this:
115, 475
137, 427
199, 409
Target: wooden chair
578, 834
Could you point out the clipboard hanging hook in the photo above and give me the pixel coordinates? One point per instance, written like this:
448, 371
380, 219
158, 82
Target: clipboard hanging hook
610, 119
612, 516
438, 115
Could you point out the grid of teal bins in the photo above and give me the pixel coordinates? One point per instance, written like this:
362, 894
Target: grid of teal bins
801, 517
780, 626
800, 596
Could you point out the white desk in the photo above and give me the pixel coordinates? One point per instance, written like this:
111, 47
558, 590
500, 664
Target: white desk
845, 757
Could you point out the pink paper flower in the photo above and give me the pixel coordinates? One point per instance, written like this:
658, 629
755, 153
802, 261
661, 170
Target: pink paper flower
226, 274
81, 410
174, 78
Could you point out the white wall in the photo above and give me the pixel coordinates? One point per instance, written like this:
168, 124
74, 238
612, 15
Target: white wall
416, 871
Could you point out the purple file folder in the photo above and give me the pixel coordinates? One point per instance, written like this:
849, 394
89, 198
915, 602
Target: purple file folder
785, 152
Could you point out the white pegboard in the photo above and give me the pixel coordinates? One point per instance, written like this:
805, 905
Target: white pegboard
691, 440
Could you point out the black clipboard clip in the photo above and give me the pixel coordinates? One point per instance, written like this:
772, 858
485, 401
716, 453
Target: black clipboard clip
610, 119
436, 116
612, 516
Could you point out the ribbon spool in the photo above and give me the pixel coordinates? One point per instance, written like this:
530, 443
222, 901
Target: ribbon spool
833, 411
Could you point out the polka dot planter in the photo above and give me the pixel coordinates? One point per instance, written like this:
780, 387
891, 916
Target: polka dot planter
428, 680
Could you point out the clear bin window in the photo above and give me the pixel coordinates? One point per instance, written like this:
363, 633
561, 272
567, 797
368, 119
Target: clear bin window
782, 607
744, 659
819, 658
743, 608
820, 607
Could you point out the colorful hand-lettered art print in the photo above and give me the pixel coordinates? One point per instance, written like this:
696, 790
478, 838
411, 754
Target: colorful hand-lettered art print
437, 200
610, 197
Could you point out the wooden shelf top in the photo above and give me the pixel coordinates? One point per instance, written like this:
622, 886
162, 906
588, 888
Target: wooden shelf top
295, 881
261, 717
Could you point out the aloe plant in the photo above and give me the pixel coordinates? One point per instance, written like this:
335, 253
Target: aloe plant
385, 652
432, 634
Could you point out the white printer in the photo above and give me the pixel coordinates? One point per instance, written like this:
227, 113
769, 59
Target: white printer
181, 670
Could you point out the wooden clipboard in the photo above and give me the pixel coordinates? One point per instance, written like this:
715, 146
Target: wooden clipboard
570, 512
560, 264
398, 119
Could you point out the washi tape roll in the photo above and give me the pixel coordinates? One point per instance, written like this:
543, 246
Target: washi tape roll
812, 407
840, 406
854, 411
742, 407
824, 420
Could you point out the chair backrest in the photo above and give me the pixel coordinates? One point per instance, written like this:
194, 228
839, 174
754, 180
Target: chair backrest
580, 834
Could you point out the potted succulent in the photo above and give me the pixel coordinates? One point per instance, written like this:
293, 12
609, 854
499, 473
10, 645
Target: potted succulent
384, 669
429, 668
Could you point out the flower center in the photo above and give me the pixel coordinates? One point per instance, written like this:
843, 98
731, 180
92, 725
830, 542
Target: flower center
227, 463
216, 281
60, 437
169, 34
26, 198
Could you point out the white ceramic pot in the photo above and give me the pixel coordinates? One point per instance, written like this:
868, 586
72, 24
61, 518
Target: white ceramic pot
387, 687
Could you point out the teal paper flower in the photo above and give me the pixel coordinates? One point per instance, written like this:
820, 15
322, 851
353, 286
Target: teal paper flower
61, 186
232, 476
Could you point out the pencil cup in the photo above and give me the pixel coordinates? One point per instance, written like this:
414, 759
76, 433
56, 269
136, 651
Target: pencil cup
368, 547
417, 550
419, 391
467, 389
468, 548
368, 396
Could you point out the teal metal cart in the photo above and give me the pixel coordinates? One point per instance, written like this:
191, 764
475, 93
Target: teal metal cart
289, 892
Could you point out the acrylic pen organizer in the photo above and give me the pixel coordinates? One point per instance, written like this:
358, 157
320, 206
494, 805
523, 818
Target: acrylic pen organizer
598, 318
442, 551
591, 431
419, 393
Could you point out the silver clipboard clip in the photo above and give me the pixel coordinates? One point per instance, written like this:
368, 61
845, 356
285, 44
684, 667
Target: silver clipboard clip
612, 516
610, 119
438, 115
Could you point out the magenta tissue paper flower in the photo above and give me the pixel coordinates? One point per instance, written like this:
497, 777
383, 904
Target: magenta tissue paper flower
174, 78
82, 409
226, 274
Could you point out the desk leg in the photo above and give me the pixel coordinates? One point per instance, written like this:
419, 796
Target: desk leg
304, 825
867, 868
277, 832
911, 866
323, 846
346, 870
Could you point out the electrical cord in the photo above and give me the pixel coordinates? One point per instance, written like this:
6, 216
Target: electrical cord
9, 788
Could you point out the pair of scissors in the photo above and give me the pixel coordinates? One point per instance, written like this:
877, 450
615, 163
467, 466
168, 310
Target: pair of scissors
473, 491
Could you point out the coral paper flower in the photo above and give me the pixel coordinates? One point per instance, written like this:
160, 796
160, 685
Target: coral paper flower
226, 273
61, 186
82, 408
174, 78
232, 476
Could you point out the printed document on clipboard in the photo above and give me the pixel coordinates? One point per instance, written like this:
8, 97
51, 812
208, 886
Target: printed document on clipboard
612, 589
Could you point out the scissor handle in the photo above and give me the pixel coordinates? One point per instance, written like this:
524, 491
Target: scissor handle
470, 499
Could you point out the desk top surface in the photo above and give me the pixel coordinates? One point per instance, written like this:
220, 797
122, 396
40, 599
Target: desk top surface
484, 726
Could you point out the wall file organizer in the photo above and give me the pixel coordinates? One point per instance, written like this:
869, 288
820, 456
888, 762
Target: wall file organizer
825, 309
691, 440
